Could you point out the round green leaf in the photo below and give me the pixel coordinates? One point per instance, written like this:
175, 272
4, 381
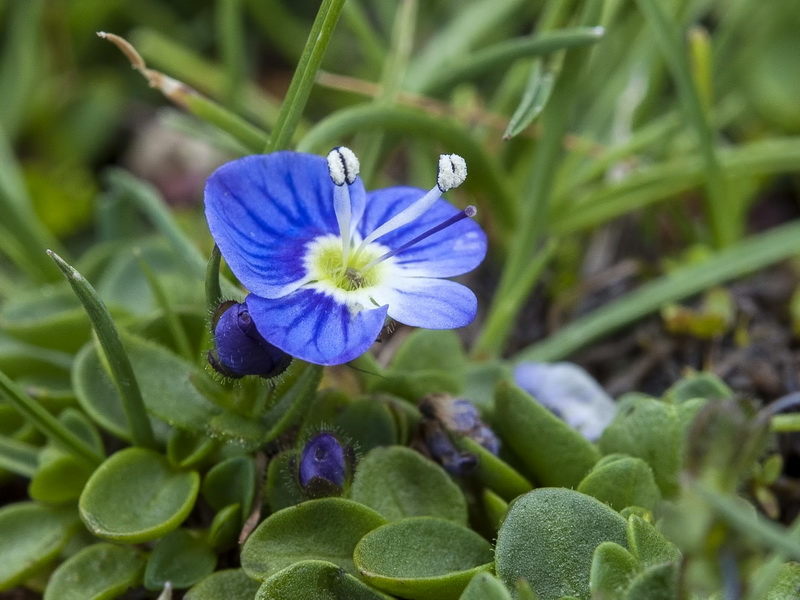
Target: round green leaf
367, 423
625, 482
484, 586
399, 482
549, 536
655, 432
325, 529
553, 452
659, 582
99, 398
136, 496
648, 544
224, 529
51, 317
180, 558
315, 579
32, 536
60, 479
231, 481
613, 567
422, 558
98, 572
231, 584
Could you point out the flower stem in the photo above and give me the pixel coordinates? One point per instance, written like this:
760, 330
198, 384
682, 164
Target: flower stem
300, 87
119, 364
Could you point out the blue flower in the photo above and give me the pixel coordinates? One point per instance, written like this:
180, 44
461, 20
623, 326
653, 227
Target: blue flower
327, 262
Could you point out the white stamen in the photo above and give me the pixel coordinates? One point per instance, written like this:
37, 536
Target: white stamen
452, 172
343, 167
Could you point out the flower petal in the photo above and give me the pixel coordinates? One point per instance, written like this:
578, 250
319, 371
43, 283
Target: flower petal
430, 303
450, 252
314, 327
262, 210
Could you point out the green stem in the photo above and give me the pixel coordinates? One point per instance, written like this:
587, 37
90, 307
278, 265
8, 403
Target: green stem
746, 257
669, 38
213, 290
303, 80
108, 336
45, 422
785, 423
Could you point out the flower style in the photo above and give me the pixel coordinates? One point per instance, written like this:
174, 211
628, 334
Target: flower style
326, 262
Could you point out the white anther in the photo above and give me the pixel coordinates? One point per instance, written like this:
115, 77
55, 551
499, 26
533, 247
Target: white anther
343, 166
452, 172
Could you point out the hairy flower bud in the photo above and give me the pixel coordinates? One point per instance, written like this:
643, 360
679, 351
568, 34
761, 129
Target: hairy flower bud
325, 466
241, 350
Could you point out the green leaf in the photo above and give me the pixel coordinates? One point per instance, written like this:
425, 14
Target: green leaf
557, 455
698, 385
613, 567
50, 317
549, 537
426, 347
281, 487
136, 496
325, 529
484, 586
225, 528
398, 482
33, 535
367, 423
315, 579
655, 432
59, 478
659, 582
99, 398
494, 472
180, 558
229, 482
534, 98
624, 482
113, 352
230, 584
422, 558
787, 583
99, 572
648, 544
18, 457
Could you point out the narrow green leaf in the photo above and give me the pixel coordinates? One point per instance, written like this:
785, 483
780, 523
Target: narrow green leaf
305, 74
502, 54
748, 523
746, 257
673, 47
45, 422
18, 457
534, 98
120, 366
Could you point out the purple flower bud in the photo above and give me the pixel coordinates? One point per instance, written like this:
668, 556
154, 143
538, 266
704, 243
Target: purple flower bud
442, 450
324, 465
241, 350
461, 417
